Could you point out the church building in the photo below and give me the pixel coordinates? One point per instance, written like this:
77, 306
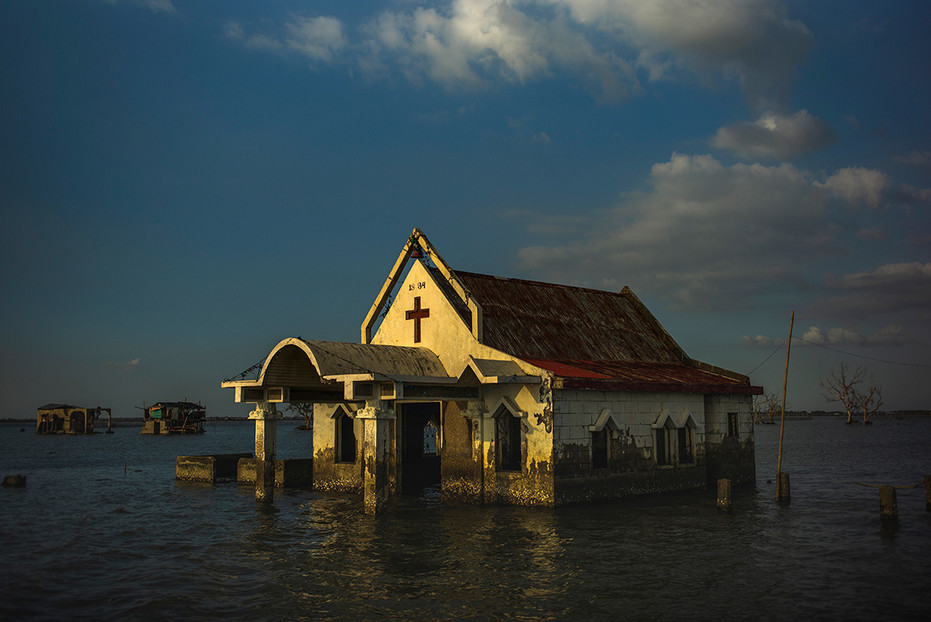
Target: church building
500, 390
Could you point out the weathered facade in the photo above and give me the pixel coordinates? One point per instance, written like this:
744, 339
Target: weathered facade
174, 418
496, 390
67, 419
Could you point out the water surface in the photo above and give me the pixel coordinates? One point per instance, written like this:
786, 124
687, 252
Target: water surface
103, 531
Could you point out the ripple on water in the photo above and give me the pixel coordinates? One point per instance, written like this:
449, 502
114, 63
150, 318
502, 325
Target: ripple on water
117, 538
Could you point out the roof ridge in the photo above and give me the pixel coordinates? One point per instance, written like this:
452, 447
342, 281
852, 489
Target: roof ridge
467, 273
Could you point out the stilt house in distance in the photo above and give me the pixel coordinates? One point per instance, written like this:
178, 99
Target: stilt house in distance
499, 390
67, 419
174, 418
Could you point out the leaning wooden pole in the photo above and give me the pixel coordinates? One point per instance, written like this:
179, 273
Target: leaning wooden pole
782, 422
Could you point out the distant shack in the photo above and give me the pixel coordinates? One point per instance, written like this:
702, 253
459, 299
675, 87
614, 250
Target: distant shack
67, 419
174, 418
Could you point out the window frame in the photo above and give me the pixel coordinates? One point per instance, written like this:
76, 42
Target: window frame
733, 425
343, 424
508, 442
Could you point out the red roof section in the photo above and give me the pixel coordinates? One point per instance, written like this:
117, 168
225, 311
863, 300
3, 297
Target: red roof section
615, 376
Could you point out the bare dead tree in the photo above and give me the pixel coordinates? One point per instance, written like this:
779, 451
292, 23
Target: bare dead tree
870, 401
765, 408
304, 409
844, 386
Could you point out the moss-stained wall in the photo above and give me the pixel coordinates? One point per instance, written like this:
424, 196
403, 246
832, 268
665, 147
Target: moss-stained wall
632, 467
460, 464
731, 457
330, 475
533, 484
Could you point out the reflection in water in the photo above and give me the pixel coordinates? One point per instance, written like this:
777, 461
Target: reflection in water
149, 547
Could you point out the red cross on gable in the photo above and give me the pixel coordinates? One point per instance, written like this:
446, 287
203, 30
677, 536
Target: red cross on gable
417, 314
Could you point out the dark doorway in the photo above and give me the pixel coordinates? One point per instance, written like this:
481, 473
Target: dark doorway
420, 447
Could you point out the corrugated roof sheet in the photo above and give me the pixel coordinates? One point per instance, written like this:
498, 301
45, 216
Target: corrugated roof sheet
620, 376
537, 320
590, 338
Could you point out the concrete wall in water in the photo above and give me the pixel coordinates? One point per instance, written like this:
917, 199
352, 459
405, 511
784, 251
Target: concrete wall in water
208, 469
691, 429
290, 473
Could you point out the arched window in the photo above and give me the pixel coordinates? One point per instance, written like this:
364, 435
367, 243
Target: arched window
603, 432
507, 441
345, 438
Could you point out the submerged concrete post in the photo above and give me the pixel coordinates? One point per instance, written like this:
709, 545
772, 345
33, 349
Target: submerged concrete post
266, 418
888, 507
376, 420
724, 495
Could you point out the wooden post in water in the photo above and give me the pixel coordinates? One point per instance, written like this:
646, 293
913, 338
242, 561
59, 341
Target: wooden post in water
784, 493
782, 422
724, 495
928, 492
888, 508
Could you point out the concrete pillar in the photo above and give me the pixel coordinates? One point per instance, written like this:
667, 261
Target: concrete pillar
266, 418
724, 495
377, 421
888, 507
476, 412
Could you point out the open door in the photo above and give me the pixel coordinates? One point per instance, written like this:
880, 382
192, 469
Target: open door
420, 447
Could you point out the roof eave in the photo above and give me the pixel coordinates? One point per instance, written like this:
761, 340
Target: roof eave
643, 386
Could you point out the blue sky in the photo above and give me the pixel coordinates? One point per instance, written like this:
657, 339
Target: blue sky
183, 183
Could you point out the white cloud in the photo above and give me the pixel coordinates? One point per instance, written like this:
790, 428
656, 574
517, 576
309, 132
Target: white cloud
917, 158
159, 6
317, 38
468, 43
897, 289
889, 335
156, 6
599, 43
775, 136
892, 335
707, 235
858, 185
911, 194
130, 365
753, 40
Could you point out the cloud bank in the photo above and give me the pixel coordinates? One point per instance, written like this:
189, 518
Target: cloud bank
708, 235
607, 46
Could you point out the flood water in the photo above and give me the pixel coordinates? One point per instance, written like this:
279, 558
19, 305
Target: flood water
103, 531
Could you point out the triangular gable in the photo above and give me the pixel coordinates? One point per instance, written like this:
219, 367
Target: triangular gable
605, 419
509, 405
419, 244
682, 420
493, 371
425, 313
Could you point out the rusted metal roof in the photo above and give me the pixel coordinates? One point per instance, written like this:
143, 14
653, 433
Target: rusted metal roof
622, 376
591, 338
537, 320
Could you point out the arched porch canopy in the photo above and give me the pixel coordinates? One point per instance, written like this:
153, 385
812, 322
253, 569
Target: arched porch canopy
299, 370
